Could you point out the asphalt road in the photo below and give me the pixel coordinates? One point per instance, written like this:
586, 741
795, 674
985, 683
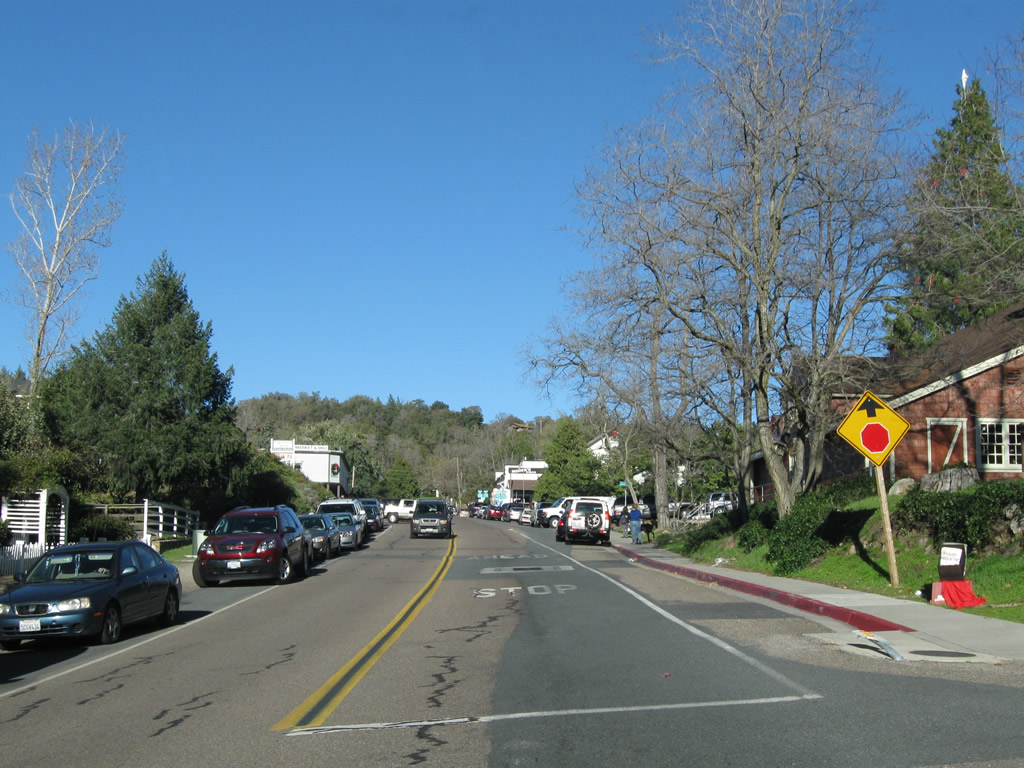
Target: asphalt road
498, 648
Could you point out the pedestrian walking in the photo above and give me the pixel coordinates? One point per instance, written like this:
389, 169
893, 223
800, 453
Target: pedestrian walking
636, 520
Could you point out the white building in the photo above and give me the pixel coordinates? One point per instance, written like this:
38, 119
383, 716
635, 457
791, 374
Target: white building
317, 462
517, 481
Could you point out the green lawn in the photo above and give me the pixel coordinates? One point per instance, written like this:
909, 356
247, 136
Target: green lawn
179, 555
997, 578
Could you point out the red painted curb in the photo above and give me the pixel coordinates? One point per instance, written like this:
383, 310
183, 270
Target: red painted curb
856, 619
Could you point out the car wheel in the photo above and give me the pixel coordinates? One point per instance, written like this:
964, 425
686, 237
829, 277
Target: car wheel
392, 518
306, 560
412, 533
111, 631
284, 569
197, 576
170, 612
10, 645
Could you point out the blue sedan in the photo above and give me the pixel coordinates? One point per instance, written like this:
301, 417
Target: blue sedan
89, 590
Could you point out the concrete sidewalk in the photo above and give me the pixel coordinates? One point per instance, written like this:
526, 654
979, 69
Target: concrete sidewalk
914, 630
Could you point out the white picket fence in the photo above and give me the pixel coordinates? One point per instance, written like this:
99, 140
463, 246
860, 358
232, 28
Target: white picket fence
20, 556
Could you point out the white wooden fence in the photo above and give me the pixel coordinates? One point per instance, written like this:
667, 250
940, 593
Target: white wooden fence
38, 518
154, 519
40, 521
20, 556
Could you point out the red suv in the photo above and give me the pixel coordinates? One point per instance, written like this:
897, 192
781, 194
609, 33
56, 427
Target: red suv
254, 543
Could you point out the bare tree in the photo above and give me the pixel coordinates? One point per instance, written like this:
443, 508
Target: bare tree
747, 233
66, 203
784, 175
620, 343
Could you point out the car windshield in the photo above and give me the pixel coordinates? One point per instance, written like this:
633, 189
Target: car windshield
313, 523
343, 519
247, 524
338, 508
95, 564
428, 510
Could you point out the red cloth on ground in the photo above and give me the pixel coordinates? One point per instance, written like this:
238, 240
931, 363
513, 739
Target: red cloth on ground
960, 594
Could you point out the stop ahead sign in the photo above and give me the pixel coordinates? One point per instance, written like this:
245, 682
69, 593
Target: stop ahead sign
873, 428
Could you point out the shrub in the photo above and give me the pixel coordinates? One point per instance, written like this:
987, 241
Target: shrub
969, 516
751, 535
815, 524
6, 534
793, 543
716, 528
95, 527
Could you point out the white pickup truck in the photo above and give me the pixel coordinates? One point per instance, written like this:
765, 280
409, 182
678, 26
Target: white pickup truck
400, 510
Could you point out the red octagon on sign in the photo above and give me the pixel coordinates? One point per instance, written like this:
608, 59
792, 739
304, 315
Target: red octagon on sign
874, 437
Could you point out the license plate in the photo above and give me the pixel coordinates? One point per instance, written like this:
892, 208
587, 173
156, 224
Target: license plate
29, 625
234, 565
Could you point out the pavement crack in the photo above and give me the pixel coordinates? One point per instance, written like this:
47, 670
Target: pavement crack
442, 684
26, 710
419, 756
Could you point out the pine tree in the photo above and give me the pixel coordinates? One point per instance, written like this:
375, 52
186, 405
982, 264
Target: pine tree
964, 258
148, 400
572, 469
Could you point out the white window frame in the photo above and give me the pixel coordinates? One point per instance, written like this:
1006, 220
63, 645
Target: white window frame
960, 435
1004, 465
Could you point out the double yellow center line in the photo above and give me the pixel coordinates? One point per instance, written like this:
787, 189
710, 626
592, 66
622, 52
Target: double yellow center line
318, 707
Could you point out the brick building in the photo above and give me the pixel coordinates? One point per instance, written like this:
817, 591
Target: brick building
963, 398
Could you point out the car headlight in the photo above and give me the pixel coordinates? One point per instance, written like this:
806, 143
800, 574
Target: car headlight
318, 539
5, 609
206, 548
265, 545
75, 604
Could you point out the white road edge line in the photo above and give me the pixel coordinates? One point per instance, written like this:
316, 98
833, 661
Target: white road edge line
126, 649
688, 627
321, 729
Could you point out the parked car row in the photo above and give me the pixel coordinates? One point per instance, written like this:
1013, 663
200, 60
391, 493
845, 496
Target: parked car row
574, 518
94, 590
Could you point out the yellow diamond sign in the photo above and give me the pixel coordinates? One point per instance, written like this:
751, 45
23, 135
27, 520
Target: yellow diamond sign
873, 428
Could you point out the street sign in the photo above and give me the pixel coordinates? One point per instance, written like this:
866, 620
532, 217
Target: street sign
873, 428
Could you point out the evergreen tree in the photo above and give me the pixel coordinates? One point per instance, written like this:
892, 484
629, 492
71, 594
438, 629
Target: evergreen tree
964, 258
148, 400
572, 469
400, 481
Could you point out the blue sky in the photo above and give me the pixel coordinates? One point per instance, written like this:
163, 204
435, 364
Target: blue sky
372, 198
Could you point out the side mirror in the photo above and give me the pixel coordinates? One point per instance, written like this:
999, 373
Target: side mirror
289, 529
129, 570
19, 576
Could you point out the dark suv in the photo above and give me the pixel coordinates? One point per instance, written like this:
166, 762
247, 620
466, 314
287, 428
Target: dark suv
254, 543
431, 518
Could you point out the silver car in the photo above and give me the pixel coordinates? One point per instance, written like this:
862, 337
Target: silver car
350, 534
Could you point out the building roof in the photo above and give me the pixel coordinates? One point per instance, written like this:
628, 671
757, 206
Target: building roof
956, 357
